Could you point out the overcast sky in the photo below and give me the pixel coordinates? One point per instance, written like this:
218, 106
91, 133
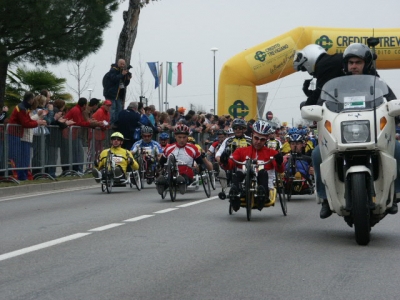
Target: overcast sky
186, 30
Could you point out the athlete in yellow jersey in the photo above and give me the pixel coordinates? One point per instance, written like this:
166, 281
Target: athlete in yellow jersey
122, 158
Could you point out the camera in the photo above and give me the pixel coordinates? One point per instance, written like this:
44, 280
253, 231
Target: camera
128, 67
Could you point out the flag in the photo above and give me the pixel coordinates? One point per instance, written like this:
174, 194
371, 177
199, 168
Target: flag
174, 73
153, 69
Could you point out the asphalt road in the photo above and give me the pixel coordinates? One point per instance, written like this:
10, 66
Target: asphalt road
132, 245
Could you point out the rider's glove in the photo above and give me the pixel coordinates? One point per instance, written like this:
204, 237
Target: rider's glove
130, 160
306, 85
278, 158
224, 158
203, 155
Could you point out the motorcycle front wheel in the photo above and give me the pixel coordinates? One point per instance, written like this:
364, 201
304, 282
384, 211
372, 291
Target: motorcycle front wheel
360, 210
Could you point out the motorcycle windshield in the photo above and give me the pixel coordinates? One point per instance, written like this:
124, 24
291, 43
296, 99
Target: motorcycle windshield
354, 93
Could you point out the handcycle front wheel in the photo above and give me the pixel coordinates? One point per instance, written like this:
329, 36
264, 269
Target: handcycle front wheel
205, 179
281, 193
211, 175
248, 193
137, 180
109, 181
171, 171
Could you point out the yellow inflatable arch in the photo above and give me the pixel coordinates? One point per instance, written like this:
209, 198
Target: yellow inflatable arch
271, 60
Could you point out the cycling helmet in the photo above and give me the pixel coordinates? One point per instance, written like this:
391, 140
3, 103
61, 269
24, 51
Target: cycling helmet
361, 51
181, 129
164, 136
239, 122
230, 131
117, 135
261, 127
305, 60
292, 131
296, 137
146, 129
221, 131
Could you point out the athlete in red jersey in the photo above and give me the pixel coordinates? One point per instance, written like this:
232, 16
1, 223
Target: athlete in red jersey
258, 151
185, 153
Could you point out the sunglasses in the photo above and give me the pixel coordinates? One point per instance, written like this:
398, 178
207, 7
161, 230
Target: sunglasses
237, 128
259, 139
146, 135
116, 138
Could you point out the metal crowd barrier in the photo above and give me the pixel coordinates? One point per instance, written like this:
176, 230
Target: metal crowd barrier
50, 151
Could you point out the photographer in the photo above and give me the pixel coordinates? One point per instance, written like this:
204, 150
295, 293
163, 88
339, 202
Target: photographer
114, 84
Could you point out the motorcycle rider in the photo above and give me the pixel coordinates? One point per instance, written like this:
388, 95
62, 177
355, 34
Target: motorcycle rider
357, 60
257, 150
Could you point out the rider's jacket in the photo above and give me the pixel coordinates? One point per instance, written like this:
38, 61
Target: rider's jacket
214, 147
232, 143
303, 164
187, 154
121, 156
152, 148
274, 144
285, 148
262, 155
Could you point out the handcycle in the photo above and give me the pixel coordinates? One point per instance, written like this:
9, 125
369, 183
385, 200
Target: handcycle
171, 172
109, 180
248, 188
294, 181
147, 166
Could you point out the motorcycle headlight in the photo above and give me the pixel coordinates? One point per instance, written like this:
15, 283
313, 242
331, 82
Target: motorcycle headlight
355, 132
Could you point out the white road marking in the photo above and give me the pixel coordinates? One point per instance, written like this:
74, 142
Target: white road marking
164, 211
30, 195
79, 235
197, 202
138, 218
43, 245
105, 227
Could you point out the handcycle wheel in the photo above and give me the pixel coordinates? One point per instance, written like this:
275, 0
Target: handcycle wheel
142, 172
281, 193
109, 176
103, 187
171, 171
289, 187
248, 193
211, 175
205, 179
137, 180
230, 209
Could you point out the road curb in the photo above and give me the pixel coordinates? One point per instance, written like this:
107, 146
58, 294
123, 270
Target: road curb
48, 186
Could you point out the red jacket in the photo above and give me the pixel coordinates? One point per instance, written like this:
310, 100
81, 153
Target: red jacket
264, 154
101, 115
75, 114
20, 115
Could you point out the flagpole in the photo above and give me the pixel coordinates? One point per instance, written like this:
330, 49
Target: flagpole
159, 97
166, 87
162, 88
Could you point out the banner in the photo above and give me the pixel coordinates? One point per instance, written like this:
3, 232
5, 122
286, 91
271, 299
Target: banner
174, 73
261, 101
153, 69
273, 60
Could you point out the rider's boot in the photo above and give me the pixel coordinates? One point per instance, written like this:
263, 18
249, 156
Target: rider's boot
161, 184
325, 210
394, 209
234, 198
261, 198
181, 183
96, 174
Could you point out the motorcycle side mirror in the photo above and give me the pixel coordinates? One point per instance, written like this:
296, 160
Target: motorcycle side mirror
312, 112
393, 108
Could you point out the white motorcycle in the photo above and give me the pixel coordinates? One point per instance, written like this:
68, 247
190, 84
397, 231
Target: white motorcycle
356, 129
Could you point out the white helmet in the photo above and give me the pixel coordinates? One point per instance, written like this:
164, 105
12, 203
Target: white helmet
304, 60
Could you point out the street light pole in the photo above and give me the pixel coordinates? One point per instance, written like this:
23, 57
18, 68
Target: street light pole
214, 50
90, 93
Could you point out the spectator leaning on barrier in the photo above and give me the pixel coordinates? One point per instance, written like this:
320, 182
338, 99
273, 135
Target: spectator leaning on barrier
76, 114
101, 115
19, 151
